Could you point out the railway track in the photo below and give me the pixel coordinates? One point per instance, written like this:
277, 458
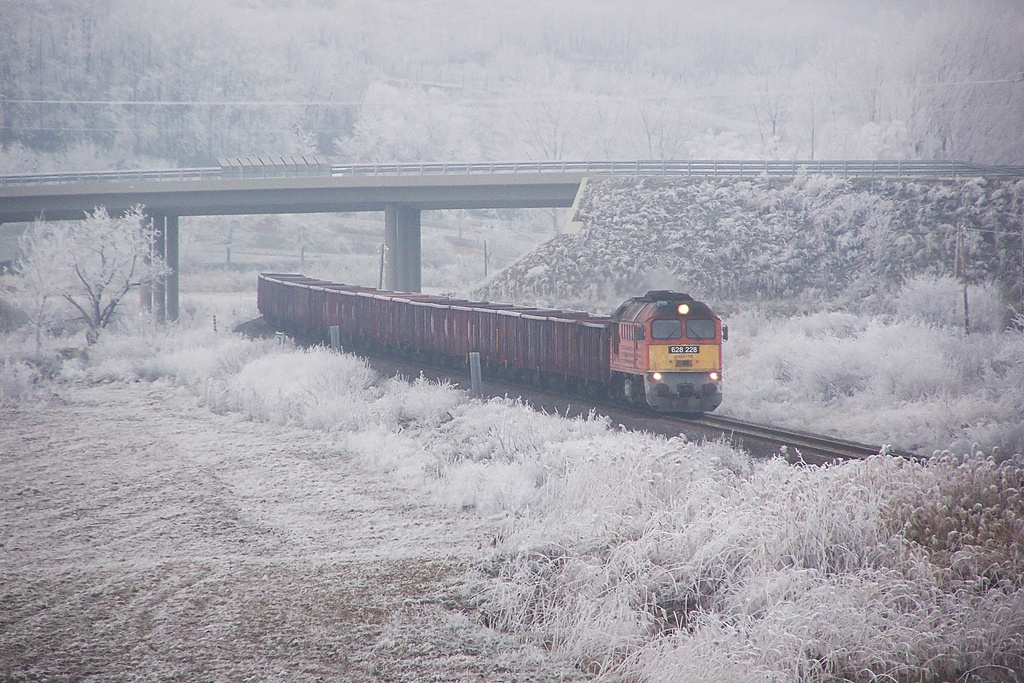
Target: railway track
760, 440
796, 446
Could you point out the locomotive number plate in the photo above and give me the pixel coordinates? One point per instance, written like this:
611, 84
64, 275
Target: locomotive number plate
684, 349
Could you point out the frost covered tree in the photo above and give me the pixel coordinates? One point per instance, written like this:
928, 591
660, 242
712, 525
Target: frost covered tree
89, 266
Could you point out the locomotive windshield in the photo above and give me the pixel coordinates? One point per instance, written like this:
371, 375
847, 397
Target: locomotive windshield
666, 329
700, 329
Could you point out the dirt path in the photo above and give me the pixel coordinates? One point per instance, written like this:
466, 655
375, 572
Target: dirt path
144, 537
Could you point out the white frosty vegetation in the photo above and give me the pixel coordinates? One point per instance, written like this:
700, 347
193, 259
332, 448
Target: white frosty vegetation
903, 381
79, 271
656, 559
677, 562
803, 244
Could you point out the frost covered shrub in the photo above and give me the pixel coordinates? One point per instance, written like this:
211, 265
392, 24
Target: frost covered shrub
969, 516
490, 455
18, 380
315, 388
939, 302
147, 352
900, 382
675, 562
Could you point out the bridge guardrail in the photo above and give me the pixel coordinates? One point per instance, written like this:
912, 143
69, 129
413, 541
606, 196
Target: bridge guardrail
210, 173
702, 168
688, 168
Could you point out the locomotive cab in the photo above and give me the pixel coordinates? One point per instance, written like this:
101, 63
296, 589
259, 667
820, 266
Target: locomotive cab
666, 351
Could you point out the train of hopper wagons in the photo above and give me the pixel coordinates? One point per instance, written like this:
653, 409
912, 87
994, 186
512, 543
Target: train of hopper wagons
662, 349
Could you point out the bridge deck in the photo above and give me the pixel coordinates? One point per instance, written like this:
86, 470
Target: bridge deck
256, 189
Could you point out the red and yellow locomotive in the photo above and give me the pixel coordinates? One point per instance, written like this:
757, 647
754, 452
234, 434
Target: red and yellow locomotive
667, 349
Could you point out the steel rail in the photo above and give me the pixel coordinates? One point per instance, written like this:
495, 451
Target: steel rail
697, 168
811, 448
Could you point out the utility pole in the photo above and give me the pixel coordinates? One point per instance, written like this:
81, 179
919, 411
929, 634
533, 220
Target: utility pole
960, 268
1020, 282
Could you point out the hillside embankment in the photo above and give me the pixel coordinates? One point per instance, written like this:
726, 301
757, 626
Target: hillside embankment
799, 244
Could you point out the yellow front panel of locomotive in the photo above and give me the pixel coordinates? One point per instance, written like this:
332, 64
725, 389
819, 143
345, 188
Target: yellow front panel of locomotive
684, 358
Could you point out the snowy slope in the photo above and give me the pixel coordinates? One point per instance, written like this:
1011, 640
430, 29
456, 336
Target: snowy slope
808, 240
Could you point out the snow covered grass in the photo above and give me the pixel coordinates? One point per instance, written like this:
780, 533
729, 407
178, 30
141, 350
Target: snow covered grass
489, 455
675, 562
906, 381
648, 559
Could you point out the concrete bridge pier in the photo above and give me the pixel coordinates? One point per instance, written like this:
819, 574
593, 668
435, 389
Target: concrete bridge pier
162, 296
402, 272
171, 257
159, 252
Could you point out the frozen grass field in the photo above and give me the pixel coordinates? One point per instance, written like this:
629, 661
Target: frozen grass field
193, 491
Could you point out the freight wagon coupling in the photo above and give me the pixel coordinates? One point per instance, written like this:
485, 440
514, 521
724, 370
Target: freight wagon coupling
663, 349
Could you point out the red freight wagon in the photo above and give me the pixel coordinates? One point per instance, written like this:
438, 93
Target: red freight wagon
561, 345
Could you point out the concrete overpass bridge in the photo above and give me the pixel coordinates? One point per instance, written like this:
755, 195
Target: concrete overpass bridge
266, 185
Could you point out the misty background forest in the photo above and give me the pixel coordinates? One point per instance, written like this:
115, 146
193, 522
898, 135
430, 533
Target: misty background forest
112, 83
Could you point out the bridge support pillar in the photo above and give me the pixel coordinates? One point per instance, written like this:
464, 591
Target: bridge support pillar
402, 231
171, 256
146, 289
161, 297
159, 253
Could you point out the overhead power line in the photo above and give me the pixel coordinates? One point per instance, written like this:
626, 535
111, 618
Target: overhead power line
492, 100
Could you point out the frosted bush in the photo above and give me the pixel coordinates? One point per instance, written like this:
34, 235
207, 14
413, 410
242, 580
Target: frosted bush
903, 382
968, 514
187, 356
18, 380
676, 562
419, 402
315, 388
939, 301
491, 455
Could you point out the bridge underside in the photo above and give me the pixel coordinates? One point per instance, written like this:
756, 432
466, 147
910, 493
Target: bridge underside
401, 199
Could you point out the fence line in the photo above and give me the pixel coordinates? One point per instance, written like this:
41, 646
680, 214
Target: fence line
685, 168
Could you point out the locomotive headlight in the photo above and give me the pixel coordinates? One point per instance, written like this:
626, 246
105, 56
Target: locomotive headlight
656, 376
714, 376
683, 309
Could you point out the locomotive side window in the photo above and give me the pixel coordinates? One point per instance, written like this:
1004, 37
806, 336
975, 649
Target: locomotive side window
668, 329
700, 329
